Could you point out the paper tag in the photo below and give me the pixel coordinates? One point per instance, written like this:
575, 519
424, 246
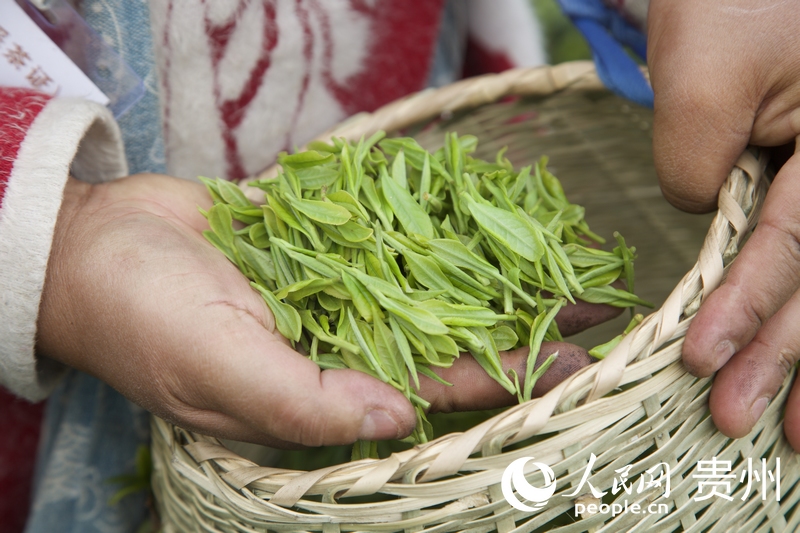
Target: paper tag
30, 59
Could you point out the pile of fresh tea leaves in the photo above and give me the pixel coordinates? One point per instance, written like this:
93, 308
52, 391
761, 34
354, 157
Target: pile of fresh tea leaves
385, 258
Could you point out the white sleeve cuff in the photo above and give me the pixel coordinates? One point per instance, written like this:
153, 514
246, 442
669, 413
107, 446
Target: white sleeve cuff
68, 136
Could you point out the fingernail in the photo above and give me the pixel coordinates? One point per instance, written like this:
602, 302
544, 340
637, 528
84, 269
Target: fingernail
758, 408
723, 352
378, 425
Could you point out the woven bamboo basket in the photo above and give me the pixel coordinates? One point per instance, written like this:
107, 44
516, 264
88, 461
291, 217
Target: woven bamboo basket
635, 409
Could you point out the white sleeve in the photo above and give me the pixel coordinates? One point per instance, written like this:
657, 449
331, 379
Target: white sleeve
66, 137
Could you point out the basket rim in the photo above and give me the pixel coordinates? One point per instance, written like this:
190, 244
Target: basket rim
651, 348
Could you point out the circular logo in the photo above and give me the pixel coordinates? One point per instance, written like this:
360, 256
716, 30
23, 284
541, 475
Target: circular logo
514, 480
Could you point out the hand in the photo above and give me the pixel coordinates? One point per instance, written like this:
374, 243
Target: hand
135, 296
727, 73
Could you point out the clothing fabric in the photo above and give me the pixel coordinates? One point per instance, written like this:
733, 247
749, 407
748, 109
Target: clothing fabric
91, 435
230, 83
21, 424
607, 31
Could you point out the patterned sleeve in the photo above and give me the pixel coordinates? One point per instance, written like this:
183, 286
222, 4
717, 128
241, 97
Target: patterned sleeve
42, 141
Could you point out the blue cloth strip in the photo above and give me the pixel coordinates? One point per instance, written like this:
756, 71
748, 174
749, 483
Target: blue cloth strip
606, 32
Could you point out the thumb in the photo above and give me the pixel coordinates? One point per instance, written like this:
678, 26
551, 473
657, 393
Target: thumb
246, 383
704, 108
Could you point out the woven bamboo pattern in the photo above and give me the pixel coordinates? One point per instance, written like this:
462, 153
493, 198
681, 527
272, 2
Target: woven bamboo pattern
637, 407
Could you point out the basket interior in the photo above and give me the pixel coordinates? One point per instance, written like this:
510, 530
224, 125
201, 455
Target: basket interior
600, 148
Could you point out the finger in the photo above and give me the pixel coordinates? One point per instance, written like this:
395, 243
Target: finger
744, 386
473, 389
752, 293
704, 105
579, 316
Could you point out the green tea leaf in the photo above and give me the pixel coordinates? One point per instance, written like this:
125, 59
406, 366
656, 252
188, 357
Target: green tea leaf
211, 187
627, 258
219, 245
414, 154
327, 361
539, 372
313, 178
304, 288
504, 337
232, 194
427, 372
427, 272
507, 228
303, 257
459, 255
329, 303
462, 315
361, 336
324, 212
258, 235
362, 299
538, 331
307, 159
425, 183
489, 359
404, 349
600, 276
612, 296
346, 200
354, 232
287, 320
259, 260
282, 212
219, 218
399, 170
413, 218
444, 346
424, 320
389, 352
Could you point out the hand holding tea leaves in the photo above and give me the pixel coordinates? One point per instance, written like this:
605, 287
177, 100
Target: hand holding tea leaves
385, 258
727, 73
136, 296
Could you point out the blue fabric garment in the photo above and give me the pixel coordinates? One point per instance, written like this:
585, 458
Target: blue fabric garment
606, 32
125, 25
451, 44
90, 435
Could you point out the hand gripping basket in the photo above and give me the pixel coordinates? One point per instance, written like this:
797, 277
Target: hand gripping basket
635, 409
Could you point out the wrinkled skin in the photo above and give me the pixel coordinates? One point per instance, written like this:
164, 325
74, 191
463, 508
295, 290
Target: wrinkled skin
135, 296
727, 73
